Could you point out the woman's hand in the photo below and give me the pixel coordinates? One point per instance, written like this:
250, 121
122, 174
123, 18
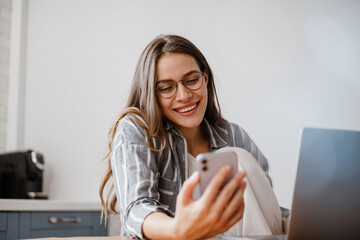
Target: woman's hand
215, 211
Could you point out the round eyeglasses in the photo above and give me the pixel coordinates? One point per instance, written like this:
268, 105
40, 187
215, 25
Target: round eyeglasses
168, 88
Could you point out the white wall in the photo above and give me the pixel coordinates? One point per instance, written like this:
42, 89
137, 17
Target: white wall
279, 66
5, 30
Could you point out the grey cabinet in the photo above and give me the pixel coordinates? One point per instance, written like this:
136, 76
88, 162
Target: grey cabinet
15, 225
9, 222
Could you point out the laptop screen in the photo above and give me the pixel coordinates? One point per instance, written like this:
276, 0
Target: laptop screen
326, 203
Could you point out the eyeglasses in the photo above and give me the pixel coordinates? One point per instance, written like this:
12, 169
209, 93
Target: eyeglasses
192, 81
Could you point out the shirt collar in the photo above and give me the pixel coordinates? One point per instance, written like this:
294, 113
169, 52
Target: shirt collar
219, 137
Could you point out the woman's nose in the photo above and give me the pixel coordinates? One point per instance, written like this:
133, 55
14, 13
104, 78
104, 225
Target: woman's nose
182, 92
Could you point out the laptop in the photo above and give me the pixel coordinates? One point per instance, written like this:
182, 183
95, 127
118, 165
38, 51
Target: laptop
326, 202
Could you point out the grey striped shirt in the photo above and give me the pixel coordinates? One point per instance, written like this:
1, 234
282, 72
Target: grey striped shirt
147, 181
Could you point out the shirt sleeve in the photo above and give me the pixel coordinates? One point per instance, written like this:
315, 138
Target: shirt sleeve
135, 175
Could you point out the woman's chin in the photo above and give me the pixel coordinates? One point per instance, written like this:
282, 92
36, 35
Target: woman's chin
188, 124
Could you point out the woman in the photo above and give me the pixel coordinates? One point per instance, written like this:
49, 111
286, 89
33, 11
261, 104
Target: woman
171, 116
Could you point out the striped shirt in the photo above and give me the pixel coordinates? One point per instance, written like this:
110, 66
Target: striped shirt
146, 181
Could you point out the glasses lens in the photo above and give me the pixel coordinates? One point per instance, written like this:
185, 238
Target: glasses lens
166, 88
193, 81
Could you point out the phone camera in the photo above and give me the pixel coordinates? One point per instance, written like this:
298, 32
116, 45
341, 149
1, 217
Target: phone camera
204, 168
204, 161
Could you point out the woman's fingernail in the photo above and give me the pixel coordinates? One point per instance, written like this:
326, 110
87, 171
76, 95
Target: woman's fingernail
228, 168
194, 176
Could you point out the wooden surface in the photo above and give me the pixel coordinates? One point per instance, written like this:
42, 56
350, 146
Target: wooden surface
99, 238
84, 238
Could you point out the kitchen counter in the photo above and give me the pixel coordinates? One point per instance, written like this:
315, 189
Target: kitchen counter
17, 205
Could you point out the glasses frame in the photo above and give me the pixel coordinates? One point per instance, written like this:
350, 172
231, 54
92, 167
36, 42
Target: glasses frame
182, 81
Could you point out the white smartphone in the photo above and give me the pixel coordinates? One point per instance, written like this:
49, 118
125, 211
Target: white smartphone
208, 164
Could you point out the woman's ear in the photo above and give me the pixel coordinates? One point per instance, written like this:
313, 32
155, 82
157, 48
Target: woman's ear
206, 76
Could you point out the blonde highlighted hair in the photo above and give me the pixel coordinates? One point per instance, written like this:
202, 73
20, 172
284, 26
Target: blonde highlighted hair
143, 102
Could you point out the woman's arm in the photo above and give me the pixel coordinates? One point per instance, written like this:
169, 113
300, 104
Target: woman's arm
135, 175
213, 213
158, 225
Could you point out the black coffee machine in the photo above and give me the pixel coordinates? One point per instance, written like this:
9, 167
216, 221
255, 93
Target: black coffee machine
21, 175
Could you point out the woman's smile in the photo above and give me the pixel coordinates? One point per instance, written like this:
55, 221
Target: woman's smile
186, 108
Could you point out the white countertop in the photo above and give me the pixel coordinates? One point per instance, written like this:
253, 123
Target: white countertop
47, 205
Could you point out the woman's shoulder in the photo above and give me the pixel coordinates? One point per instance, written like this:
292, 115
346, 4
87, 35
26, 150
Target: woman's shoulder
228, 126
237, 130
231, 131
131, 120
131, 127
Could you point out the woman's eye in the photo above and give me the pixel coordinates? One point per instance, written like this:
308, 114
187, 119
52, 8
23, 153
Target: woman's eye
192, 81
165, 88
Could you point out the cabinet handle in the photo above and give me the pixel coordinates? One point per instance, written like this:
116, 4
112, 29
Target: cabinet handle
55, 220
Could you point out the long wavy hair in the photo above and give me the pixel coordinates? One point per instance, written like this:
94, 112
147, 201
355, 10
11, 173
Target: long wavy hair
143, 102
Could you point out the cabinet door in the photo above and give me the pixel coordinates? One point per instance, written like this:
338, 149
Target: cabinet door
9, 225
57, 224
3, 225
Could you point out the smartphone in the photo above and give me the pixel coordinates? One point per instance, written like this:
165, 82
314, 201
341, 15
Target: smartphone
208, 164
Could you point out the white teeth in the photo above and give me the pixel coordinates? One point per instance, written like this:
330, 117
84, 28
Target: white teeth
187, 109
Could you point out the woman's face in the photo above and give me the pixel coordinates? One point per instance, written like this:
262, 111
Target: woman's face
186, 109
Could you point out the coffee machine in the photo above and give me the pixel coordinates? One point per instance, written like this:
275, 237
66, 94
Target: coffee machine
21, 175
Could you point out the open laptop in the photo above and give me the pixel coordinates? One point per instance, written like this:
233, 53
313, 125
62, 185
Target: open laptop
326, 202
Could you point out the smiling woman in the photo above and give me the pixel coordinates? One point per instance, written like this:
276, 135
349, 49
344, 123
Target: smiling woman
172, 115
187, 105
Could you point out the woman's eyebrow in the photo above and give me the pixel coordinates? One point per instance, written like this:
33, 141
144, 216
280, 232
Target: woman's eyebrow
185, 75
191, 72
